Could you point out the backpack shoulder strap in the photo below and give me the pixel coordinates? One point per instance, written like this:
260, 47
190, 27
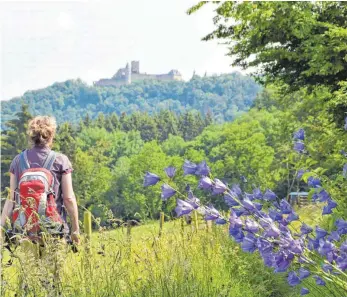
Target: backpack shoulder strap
50, 160
23, 161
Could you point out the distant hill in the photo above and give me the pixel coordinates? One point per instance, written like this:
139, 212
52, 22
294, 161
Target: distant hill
224, 96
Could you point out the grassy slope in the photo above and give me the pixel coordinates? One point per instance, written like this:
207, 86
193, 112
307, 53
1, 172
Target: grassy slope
177, 264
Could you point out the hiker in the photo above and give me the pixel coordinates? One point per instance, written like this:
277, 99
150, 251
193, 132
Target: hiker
41, 191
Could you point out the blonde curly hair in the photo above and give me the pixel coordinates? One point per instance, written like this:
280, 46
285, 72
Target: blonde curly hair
41, 130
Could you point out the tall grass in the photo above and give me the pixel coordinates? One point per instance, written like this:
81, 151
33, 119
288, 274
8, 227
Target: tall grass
178, 263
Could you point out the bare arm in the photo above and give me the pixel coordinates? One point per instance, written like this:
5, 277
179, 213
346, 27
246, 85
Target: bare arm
9, 203
70, 201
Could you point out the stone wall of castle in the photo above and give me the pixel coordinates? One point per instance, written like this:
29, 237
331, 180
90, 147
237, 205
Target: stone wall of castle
131, 73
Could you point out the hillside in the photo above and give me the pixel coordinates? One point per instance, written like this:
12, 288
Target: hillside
224, 96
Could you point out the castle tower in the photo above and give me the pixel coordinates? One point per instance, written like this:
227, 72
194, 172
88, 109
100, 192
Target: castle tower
128, 74
135, 67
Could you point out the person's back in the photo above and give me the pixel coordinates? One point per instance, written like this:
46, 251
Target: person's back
41, 131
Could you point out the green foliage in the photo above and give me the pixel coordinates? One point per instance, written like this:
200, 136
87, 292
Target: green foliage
70, 101
301, 44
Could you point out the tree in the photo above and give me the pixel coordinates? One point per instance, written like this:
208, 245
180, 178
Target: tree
13, 141
299, 43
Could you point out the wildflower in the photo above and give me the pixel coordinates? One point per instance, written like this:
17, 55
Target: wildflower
272, 231
327, 209
313, 182
305, 229
150, 179
327, 268
258, 206
292, 217
235, 222
334, 236
341, 226
300, 173
269, 195
325, 247
304, 291
313, 244
229, 200
183, 208
205, 183
248, 204
189, 167
257, 194
251, 226
341, 261
303, 273
285, 207
238, 237
167, 192
211, 213
320, 232
219, 187
293, 279
170, 171
343, 153
299, 135
343, 247
220, 221
299, 147
345, 123
319, 281
202, 169
192, 200
264, 246
249, 196
344, 171
237, 190
249, 243
323, 196
275, 215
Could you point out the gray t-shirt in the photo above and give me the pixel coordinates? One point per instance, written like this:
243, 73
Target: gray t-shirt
36, 157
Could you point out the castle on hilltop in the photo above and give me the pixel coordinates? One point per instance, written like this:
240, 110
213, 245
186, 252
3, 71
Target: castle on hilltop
127, 75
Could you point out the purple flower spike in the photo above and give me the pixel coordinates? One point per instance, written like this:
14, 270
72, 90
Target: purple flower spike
299, 147
285, 207
313, 244
249, 243
313, 182
319, 281
320, 232
327, 268
150, 179
304, 291
323, 196
258, 206
293, 279
203, 169
303, 273
229, 200
167, 192
292, 217
183, 208
251, 226
257, 194
334, 236
305, 229
343, 247
237, 190
275, 215
219, 187
235, 222
220, 221
170, 171
248, 204
205, 183
193, 201
299, 135
272, 231
211, 213
344, 171
189, 167
269, 195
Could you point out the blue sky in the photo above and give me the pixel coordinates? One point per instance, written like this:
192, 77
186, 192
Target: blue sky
43, 42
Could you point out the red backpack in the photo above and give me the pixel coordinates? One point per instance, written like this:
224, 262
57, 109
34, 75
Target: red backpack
35, 208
